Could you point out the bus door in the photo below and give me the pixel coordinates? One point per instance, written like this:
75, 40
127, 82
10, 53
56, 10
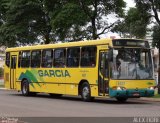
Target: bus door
103, 79
13, 72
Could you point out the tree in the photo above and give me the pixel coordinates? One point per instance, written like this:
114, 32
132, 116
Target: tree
134, 24
26, 21
152, 7
29, 21
3, 9
67, 22
121, 29
87, 17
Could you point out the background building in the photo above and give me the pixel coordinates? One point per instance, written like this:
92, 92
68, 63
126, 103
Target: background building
155, 54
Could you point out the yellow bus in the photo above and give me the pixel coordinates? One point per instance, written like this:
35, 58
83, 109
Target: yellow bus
119, 68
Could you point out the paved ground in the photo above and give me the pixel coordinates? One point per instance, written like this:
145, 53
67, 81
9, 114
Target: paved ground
14, 104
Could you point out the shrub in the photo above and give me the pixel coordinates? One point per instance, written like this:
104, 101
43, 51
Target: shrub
1, 72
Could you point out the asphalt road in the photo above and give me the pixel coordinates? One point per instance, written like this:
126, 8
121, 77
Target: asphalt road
13, 104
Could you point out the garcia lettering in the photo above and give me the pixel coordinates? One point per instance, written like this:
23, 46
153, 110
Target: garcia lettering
53, 73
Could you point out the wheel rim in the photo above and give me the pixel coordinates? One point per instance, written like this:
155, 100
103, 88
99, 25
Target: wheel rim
24, 88
85, 92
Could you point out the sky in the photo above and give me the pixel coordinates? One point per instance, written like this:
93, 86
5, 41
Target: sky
130, 3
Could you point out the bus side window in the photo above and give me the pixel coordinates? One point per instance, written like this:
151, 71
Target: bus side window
36, 59
73, 57
25, 59
59, 58
47, 58
88, 56
8, 59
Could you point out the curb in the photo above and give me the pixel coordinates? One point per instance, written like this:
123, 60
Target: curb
3, 89
150, 99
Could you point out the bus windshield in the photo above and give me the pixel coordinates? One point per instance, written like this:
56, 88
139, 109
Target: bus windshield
131, 63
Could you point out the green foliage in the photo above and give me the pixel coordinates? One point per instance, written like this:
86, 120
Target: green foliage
68, 21
26, 21
137, 22
157, 96
152, 7
84, 18
137, 19
2, 86
134, 24
1, 72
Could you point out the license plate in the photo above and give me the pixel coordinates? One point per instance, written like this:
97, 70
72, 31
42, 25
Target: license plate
136, 94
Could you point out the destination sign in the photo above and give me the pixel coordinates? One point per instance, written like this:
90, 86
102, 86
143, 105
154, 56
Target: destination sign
130, 43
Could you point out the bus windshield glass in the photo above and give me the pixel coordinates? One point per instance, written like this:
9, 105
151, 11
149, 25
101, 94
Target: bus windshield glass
131, 63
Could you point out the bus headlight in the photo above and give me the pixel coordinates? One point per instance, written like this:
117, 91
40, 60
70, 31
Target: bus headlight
151, 88
118, 88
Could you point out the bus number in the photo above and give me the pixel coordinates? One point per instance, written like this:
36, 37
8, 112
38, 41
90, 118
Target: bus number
120, 83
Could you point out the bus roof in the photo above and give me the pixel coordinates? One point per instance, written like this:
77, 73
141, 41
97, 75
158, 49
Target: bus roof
68, 44
61, 45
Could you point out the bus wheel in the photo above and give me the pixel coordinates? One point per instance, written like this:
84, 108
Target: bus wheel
121, 99
85, 92
25, 88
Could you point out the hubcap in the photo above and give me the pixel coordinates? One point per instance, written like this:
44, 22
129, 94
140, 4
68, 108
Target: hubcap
24, 88
85, 92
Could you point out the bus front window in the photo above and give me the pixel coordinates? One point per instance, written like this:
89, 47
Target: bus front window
131, 64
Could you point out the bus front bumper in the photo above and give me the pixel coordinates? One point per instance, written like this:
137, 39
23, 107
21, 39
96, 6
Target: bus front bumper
131, 93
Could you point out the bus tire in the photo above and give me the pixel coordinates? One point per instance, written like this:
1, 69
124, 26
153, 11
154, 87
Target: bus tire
86, 92
25, 88
121, 99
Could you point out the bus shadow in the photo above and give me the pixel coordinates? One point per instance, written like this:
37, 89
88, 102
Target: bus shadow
106, 101
96, 100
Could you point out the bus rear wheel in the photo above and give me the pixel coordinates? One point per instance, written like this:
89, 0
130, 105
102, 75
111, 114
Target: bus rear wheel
25, 88
85, 92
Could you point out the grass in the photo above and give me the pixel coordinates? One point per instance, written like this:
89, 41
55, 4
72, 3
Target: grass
1, 86
157, 96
